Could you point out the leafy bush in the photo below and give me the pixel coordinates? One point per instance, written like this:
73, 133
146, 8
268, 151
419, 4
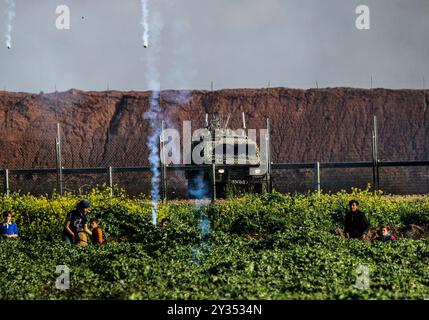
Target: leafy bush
272, 246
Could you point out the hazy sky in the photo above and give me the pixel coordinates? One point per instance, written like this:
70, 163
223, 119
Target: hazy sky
235, 43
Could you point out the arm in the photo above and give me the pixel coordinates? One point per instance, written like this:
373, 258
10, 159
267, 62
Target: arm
347, 226
99, 236
365, 224
85, 227
14, 234
69, 231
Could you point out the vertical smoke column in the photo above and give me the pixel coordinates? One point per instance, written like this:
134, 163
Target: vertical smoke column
200, 191
154, 113
182, 62
144, 23
152, 116
182, 71
10, 15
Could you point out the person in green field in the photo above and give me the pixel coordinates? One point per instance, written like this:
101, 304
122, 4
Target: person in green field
76, 226
97, 233
164, 224
356, 225
8, 229
385, 235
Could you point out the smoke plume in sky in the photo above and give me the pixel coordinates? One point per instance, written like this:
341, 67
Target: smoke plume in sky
240, 43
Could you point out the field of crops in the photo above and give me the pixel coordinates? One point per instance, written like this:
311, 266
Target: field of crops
272, 246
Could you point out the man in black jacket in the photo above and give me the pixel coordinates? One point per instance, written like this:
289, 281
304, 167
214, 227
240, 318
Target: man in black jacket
356, 224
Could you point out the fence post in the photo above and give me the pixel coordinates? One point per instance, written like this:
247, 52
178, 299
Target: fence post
6, 182
163, 164
59, 160
111, 180
268, 150
376, 153
375, 169
213, 181
373, 160
317, 176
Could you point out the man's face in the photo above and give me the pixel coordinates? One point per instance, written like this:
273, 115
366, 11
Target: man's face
9, 218
85, 211
353, 207
384, 232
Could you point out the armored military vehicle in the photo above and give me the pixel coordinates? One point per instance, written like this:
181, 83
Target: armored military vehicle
232, 162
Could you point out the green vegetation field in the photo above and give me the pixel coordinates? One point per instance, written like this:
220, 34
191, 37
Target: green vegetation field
272, 246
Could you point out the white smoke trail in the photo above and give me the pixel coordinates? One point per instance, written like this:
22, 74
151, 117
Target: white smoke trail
152, 75
203, 247
152, 116
10, 15
201, 192
182, 71
152, 26
144, 23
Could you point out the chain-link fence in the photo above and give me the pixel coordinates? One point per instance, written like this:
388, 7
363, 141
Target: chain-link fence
405, 180
395, 178
407, 177
336, 129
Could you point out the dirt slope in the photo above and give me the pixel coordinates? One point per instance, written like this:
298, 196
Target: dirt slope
110, 128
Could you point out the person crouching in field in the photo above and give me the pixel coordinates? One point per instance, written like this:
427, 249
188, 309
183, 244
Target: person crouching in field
97, 233
356, 225
164, 224
76, 225
385, 235
8, 229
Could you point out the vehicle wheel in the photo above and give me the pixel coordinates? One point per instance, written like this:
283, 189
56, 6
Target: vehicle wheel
260, 188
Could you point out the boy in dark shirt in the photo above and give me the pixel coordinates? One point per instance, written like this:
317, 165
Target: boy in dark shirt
356, 225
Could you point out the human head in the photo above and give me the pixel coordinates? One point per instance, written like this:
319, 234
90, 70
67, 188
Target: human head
353, 204
384, 231
7, 216
84, 206
94, 223
165, 222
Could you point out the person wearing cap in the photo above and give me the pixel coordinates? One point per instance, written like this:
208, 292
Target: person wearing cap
76, 226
